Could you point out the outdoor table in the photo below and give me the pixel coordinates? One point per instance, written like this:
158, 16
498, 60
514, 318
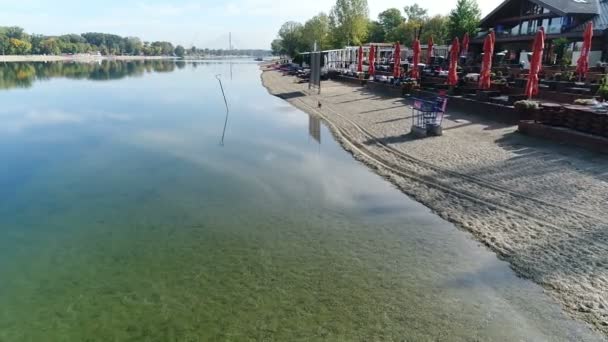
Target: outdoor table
551, 84
503, 100
485, 95
577, 90
474, 77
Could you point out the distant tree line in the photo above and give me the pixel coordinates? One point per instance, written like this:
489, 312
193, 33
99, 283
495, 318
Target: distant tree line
228, 52
348, 23
15, 41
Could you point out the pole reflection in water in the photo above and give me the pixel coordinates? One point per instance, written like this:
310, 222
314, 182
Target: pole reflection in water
314, 128
225, 125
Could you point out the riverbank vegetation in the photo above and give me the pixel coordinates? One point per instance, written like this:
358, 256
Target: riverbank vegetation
15, 41
348, 23
23, 75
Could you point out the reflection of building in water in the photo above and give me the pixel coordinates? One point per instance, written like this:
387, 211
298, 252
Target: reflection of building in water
314, 128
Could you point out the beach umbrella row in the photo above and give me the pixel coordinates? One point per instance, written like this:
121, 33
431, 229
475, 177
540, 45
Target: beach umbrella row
397, 57
360, 60
465, 44
430, 51
536, 63
416, 59
454, 56
372, 60
582, 65
485, 80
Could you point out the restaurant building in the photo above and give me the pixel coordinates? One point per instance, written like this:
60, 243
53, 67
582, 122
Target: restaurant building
516, 21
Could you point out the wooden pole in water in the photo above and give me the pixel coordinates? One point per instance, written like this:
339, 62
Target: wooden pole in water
218, 77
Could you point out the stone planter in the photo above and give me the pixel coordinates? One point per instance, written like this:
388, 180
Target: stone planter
528, 113
598, 122
604, 125
569, 119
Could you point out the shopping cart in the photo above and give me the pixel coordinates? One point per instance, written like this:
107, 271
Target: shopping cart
427, 115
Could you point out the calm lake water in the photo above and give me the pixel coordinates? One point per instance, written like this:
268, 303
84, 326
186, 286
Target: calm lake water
124, 218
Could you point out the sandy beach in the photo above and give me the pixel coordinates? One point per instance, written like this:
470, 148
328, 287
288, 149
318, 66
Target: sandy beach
74, 58
540, 206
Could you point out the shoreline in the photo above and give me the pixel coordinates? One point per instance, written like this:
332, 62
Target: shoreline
538, 205
77, 58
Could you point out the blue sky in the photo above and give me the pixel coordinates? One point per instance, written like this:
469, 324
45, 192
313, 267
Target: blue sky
202, 23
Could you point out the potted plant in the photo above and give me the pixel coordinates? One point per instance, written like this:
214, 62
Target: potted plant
602, 92
499, 84
526, 109
585, 102
407, 86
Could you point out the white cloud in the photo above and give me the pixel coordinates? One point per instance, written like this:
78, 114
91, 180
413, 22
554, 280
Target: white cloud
14, 121
167, 9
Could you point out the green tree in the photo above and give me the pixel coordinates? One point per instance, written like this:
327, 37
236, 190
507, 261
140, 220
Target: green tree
277, 47
317, 30
133, 46
415, 12
376, 33
560, 47
350, 22
36, 41
4, 44
391, 20
73, 38
193, 50
50, 46
416, 17
15, 32
163, 48
180, 51
291, 38
464, 19
437, 27
19, 47
408, 31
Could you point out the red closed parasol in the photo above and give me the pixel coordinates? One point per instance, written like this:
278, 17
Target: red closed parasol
397, 57
416, 59
454, 56
360, 60
582, 65
372, 60
485, 80
536, 63
465, 44
430, 51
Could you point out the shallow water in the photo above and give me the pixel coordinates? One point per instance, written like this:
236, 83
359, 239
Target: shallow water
123, 217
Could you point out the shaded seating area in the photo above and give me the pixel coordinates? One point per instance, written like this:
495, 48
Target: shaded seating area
484, 83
